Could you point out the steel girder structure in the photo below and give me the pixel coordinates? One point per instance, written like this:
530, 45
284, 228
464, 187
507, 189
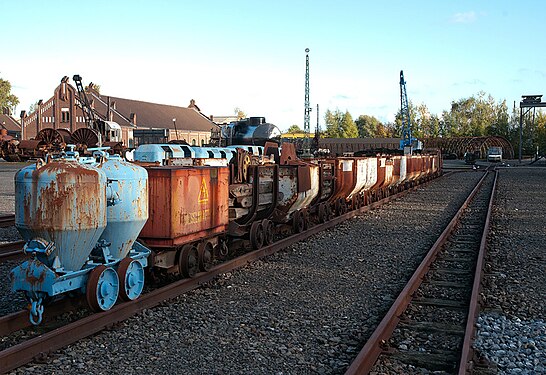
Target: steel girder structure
460, 145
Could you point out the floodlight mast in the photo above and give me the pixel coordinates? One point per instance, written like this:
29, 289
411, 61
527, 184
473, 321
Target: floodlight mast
307, 112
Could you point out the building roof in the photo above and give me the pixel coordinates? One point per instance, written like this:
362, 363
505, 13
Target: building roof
152, 115
9, 123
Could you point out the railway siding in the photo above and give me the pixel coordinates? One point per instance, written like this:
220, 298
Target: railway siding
305, 310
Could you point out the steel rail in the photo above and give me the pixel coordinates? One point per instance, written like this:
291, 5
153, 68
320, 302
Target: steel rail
11, 250
58, 338
7, 220
473, 309
369, 354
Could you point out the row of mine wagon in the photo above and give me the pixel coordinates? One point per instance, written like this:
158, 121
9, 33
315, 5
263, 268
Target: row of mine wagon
93, 224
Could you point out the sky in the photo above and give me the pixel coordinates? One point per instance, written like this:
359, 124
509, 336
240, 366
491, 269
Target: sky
251, 54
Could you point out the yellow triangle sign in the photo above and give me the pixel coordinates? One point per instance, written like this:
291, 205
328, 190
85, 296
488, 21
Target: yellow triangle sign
204, 192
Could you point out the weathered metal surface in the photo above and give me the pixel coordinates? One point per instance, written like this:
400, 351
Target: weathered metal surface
291, 198
185, 204
127, 211
399, 170
384, 173
365, 175
327, 180
63, 202
345, 178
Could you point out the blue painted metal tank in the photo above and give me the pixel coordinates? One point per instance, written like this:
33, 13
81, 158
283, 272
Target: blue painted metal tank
127, 210
64, 203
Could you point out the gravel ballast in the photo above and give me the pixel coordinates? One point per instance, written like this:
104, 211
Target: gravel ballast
511, 329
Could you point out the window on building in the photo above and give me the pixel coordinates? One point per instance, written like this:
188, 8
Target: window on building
65, 115
202, 142
193, 142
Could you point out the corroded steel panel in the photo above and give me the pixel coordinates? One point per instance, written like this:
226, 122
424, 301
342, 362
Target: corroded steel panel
128, 191
186, 204
290, 198
399, 170
365, 175
345, 177
65, 202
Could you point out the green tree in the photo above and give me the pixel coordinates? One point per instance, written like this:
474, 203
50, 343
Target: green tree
367, 126
333, 124
293, 129
349, 127
7, 99
340, 125
540, 137
475, 116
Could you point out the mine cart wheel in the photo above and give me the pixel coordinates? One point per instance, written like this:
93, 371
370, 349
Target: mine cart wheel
205, 251
298, 222
322, 215
257, 235
102, 288
329, 213
188, 261
50, 136
131, 279
306, 218
356, 202
85, 137
338, 207
269, 231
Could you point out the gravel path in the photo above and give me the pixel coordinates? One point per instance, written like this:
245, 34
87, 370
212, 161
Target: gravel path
512, 329
308, 309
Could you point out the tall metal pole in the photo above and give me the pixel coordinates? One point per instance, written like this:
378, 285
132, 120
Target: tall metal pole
306, 119
520, 132
175, 129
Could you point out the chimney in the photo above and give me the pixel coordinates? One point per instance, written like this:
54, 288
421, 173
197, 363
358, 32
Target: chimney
39, 116
194, 106
23, 116
132, 117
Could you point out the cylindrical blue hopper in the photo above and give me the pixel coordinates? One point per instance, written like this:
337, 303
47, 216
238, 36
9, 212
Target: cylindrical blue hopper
63, 202
127, 211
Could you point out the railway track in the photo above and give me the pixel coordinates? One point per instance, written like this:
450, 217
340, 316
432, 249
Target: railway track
7, 220
430, 326
11, 250
56, 338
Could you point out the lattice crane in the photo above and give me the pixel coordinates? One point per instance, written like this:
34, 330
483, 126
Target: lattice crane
408, 143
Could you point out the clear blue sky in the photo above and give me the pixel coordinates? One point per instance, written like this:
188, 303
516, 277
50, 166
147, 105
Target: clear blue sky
250, 54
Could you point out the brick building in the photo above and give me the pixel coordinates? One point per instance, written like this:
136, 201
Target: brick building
63, 111
10, 124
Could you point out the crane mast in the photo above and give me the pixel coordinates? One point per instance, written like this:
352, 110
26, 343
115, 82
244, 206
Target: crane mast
408, 143
92, 123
